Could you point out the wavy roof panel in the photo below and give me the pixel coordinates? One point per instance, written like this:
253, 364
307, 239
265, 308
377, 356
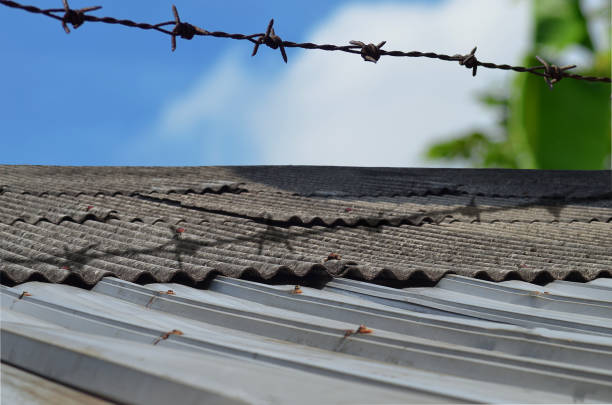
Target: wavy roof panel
77, 225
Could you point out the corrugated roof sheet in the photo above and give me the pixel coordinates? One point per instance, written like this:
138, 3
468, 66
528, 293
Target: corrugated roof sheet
77, 225
465, 340
22, 387
311, 180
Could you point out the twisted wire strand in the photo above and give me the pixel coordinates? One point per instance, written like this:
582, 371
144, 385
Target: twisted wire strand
369, 52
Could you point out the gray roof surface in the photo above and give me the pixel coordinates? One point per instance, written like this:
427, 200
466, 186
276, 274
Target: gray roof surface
187, 224
22, 387
238, 341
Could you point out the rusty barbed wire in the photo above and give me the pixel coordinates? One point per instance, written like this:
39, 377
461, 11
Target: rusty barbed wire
369, 52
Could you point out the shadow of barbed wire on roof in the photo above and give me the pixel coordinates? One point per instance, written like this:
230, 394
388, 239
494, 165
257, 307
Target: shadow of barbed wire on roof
75, 260
471, 210
272, 234
183, 247
178, 245
388, 217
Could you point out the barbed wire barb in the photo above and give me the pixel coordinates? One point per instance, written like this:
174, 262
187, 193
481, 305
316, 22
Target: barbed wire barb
369, 52
469, 61
272, 40
181, 29
74, 17
552, 74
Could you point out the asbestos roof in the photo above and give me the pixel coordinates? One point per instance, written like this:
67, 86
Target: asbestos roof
352, 342
77, 225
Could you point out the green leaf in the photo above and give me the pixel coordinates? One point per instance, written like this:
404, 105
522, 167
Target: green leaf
463, 147
564, 128
476, 148
493, 100
559, 23
500, 155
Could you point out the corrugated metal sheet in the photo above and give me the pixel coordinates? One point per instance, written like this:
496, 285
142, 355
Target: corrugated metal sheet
465, 340
21, 387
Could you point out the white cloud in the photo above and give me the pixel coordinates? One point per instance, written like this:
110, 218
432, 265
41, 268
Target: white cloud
334, 109
208, 100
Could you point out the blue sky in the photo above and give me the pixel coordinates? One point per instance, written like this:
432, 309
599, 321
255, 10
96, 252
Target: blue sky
111, 95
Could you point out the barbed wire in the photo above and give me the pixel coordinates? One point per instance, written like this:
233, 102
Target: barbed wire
369, 52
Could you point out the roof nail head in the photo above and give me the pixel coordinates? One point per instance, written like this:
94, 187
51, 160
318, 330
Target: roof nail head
166, 335
296, 290
332, 256
363, 329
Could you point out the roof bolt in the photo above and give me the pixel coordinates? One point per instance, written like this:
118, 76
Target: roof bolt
296, 290
25, 294
360, 329
332, 256
166, 335
169, 292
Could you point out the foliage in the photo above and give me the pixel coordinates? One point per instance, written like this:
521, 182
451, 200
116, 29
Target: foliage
566, 128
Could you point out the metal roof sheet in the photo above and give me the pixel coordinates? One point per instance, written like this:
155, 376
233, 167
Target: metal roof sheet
241, 340
21, 387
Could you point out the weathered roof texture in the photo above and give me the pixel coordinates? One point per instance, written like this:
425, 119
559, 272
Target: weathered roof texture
161, 224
